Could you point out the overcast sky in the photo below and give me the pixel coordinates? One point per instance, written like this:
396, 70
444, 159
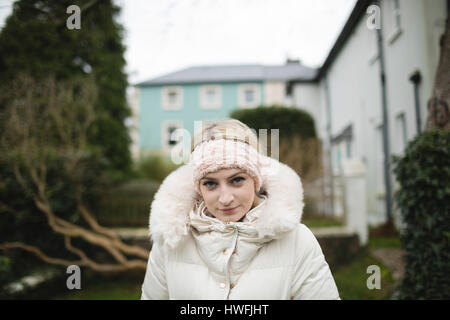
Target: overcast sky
167, 35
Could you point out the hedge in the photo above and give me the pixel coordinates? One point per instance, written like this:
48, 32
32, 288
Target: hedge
290, 121
424, 200
127, 205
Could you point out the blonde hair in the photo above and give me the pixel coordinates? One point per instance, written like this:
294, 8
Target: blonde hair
230, 129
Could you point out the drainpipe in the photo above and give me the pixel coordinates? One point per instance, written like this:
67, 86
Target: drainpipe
386, 148
330, 154
416, 78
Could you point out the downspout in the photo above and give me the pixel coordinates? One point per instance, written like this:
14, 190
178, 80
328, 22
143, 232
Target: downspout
416, 79
386, 148
329, 151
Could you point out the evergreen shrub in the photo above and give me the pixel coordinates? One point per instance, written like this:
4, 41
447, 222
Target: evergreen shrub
423, 173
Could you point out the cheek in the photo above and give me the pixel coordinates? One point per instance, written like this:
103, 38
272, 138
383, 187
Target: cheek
247, 193
208, 196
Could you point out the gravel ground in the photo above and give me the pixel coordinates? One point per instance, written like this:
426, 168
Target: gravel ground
394, 260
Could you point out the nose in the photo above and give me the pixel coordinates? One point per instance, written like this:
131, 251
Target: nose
226, 197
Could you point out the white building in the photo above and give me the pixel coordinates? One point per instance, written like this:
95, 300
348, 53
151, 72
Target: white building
346, 97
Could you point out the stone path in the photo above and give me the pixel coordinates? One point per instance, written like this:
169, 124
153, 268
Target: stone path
393, 259
132, 233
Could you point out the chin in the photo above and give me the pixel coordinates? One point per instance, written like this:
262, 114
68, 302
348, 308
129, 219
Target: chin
231, 218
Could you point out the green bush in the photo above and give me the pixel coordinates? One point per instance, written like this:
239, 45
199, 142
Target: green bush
290, 121
127, 205
5, 271
154, 167
424, 200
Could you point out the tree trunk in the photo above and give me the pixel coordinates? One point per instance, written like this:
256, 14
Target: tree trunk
439, 103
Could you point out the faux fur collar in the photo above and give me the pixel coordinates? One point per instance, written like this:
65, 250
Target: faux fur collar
169, 213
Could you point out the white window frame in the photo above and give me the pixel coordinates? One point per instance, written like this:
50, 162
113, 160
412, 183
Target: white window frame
242, 103
166, 104
374, 47
204, 103
394, 23
379, 158
401, 132
165, 124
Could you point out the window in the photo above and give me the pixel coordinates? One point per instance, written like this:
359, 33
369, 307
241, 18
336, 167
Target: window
348, 146
172, 98
379, 161
167, 128
373, 45
400, 132
338, 157
170, 130
210, 97
394, 27
396, 14
249, 95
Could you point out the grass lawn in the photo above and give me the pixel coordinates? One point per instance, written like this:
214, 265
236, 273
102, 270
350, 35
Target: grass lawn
105, 289
351, 279
384, 243
321, 222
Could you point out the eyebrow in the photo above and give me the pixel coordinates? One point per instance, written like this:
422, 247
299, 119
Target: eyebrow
208, 178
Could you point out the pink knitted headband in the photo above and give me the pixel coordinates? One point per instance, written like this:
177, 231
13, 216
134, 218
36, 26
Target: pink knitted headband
213, 155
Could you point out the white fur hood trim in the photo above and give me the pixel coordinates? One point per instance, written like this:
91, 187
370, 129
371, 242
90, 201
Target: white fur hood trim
169, 213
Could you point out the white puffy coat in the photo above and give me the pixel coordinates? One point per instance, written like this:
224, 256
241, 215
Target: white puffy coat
269, 255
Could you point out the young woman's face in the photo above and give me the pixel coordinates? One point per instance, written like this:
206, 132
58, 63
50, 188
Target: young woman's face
228, 193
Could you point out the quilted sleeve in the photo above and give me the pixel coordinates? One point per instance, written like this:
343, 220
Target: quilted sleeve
312, 276
155, 286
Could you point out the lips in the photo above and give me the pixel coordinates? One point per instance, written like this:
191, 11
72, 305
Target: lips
228, 210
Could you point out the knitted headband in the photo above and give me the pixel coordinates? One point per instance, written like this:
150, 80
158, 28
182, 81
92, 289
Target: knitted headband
213, 155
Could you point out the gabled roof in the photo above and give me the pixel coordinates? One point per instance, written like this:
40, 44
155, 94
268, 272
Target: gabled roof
236, 73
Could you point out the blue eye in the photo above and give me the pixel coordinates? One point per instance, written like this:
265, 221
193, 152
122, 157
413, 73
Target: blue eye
238, 179
212, 184
209, 183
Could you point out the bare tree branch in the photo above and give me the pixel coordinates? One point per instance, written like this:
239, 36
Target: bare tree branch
129, 265
39, 253
46, 121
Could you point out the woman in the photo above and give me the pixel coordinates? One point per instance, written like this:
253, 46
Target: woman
227, 226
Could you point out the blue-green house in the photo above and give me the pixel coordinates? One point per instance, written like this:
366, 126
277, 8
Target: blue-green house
202, 93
